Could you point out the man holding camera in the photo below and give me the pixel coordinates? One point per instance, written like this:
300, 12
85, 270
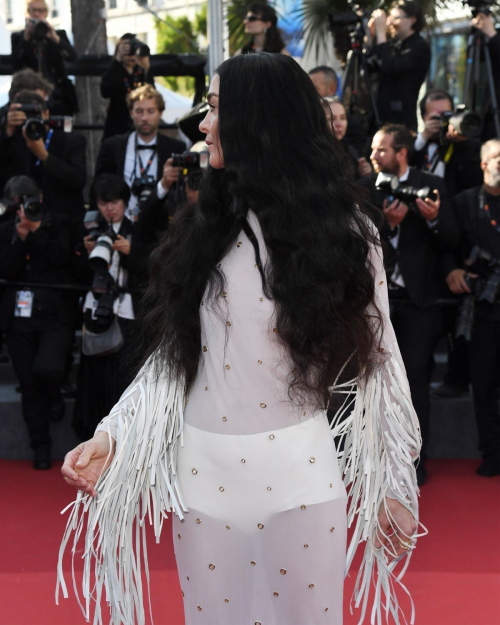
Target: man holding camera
130, 69
39, 321
403, 61
142, 157
44, 49
35, 145
441, 149
418, 231
485, 23
475, 273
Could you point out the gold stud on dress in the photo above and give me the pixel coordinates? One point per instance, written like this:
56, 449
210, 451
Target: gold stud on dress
312, 460
311, 585
228, 527
253, 563
271, 436
302, 507
226, 600
194, 471
276, 594
199, 608
224, 418
260, 526
211, 567
238, 244
259, 361
263, 405
205, 348
332, 529
306, 546
228, 323
283, 571
227, 367
178, 535
221, 488
243, 461
198, 521
269, 488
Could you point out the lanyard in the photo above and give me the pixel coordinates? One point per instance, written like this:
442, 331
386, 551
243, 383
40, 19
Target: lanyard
142, 169
484, 210
47, 143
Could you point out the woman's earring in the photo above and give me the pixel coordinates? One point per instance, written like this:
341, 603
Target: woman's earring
265, 31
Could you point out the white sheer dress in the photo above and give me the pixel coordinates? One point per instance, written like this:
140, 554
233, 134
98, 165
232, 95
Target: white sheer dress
255, 481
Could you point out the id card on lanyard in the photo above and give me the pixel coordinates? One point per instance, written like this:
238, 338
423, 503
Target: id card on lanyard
47, 143
24, 304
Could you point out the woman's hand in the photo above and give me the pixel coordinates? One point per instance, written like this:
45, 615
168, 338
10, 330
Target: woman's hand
84, 465
399, 528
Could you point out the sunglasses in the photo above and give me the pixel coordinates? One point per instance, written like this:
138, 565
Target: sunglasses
253, 18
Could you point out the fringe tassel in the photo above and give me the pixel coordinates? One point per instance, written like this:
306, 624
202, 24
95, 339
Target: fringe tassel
140, 481
378, 432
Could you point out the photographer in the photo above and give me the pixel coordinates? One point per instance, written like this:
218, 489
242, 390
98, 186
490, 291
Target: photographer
35, 248
478, 215
403, 61
56, 160
44, 50
442, 150
111, 253
130, 69
486, 24
417, 233
25, 80
142, 157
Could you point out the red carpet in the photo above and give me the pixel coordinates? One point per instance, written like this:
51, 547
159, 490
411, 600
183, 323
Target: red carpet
454, 575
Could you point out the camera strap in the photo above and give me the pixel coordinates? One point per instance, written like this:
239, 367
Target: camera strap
48, 139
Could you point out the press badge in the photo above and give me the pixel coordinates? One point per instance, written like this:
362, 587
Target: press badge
24, 304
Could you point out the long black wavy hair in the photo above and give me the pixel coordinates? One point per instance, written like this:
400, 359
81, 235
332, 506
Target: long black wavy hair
282, 161
274, 40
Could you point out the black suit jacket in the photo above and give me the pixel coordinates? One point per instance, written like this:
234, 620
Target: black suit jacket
24, 54
49, 253
462, 171
111, 160
403, 68
420, 247
61, 178
116, 83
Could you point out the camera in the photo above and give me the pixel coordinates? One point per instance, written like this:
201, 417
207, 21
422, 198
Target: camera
484, 288
466, 123
143, 187
34, 127
39, 31
480, 6
396, 190
104, 235
137, 48
191, 160
31, 204
356, 15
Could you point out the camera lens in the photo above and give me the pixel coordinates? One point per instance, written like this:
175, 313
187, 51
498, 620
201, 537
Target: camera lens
34, 129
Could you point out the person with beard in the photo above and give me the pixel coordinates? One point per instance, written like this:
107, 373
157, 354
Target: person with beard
416, 234
143, 158
478, 216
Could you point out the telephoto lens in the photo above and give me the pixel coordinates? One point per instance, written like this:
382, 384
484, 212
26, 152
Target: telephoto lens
32, 208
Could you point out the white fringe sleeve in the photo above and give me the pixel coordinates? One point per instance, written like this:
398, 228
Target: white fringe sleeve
141, 481
378, 437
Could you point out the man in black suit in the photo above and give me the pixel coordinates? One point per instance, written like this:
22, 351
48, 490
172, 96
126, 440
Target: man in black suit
478, 216
403, 62
143, 158
416, 235
42, 48
57, 161
39, 322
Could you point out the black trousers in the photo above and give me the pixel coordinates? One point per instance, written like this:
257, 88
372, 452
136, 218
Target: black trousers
39, 349
484, 353
418, 331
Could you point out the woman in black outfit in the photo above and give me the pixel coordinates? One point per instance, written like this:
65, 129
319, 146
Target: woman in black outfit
102, 379
261, 23
127, 72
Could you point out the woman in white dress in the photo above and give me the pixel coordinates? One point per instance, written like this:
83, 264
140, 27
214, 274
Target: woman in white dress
266, 299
